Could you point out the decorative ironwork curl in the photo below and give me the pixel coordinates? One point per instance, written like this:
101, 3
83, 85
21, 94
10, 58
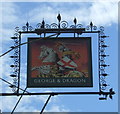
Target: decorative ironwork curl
64, 24
16, 34
53, 25
88, 27
24, 28
91, 27
72, 26
27, 27
16, 29
102, 56
38, 26
79, 26
103, 83
14, 89
94, 27
76, 26
102, 30
30, 28
15, 65
47, 26
16, 62
103, 87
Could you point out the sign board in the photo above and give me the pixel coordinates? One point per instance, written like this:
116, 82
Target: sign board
59, 62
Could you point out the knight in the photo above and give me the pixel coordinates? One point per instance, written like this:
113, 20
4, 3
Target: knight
66, 63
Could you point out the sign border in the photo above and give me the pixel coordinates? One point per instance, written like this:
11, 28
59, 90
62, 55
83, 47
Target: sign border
90, 63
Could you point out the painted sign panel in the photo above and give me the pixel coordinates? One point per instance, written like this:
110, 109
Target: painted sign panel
59, 62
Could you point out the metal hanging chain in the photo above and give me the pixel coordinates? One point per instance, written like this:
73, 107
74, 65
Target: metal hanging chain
27, 43
18, 101
13, 85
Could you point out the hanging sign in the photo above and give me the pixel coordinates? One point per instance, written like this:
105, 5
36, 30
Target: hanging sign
59, 62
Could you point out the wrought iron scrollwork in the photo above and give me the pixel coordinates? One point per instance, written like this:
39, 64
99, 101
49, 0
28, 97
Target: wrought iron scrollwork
47, 26
102, 31
76, 25
64, 24
27, 27
54, 25
15, 66
79, 26
102, 57
38, 26
60, 25
91, 27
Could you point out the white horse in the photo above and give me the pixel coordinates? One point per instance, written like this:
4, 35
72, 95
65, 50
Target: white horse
49, 57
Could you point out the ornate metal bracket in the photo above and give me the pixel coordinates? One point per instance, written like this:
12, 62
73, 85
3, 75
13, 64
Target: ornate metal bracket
91, 27
63, 27
16, 58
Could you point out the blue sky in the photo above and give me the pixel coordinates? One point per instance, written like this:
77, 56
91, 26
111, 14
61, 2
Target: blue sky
101, 13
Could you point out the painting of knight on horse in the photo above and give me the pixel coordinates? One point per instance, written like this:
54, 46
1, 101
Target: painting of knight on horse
57, 61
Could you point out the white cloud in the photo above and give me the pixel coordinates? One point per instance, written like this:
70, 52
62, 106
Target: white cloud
56, 108
6, 35
101, 13
31, 104
104, 13
57, 0
9, 13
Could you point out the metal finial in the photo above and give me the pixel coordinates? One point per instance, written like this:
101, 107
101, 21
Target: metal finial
75, 21
27, 24
59, 17
43, 24
91, 24
111, 93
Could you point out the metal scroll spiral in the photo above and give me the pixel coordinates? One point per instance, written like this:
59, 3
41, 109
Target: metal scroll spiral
72, 26
38, 26
91, 27
79, 26
102, 60
76, 26
47, 26
16, 32
27, 28
102, 30
30, 28
54, 25
24, 28
16, 61
64, 24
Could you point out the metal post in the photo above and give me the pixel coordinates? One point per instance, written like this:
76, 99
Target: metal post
46, 104
59, 93
18, 101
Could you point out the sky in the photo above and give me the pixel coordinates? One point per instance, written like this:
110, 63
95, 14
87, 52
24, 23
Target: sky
101, 13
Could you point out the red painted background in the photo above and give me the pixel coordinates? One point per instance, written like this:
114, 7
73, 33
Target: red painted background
76, 45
